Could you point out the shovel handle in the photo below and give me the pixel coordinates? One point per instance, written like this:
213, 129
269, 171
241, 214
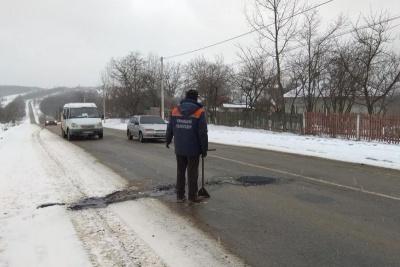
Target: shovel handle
202, 171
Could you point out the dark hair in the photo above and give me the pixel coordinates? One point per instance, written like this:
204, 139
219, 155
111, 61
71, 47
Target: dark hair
192, 94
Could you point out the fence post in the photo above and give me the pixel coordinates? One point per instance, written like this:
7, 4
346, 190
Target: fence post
304, 123
358, 128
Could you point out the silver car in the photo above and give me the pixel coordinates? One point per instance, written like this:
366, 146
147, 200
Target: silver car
145, 127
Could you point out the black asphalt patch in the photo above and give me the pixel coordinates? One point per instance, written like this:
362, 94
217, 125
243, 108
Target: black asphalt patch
89, 203
248, 180
50, 205
162, 190
115, 197
120, 196
255, 180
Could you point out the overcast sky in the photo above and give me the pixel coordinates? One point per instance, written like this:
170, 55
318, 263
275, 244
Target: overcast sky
49, 43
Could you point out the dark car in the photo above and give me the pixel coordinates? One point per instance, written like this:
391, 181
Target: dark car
50, 121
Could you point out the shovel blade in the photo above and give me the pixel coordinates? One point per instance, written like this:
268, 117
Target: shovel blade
202, 192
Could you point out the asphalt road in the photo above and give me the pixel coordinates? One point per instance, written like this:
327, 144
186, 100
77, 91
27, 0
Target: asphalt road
274, 209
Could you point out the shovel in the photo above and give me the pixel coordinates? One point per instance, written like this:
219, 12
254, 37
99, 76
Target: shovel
203, 192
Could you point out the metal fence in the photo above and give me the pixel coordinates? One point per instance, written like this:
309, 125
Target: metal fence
354, 126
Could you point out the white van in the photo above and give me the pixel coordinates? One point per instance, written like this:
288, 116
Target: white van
81, 119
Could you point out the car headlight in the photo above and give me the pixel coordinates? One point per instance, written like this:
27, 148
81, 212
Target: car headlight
100, 124
47, 121
74, 125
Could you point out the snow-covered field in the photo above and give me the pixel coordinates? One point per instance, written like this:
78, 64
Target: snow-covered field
5, 100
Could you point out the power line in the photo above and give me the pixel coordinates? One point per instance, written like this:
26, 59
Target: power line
244, 34
335, 36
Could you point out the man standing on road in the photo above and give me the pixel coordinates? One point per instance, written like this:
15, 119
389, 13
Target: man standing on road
188, 126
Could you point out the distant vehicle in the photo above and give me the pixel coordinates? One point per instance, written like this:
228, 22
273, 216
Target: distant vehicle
146, 127
50, 121
81, 119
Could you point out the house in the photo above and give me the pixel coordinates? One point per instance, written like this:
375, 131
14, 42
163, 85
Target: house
233, 107
323, 101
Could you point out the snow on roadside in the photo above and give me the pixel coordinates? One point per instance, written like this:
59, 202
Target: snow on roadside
45, 237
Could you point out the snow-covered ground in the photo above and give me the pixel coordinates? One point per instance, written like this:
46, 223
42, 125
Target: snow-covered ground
40, 168
5, 100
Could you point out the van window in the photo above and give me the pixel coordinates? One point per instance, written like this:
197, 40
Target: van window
84, 112
66, 113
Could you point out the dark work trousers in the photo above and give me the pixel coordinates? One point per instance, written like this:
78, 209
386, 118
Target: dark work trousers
191, 165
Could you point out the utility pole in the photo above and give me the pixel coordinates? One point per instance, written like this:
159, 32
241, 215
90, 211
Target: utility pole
162, 87
215, 103
104, 103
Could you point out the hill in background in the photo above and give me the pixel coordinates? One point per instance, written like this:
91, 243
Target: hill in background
6, 90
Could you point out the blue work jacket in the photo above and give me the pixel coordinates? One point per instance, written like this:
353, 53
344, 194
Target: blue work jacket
187, 125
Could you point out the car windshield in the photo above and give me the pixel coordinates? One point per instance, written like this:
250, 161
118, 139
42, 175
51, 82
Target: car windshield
84, 112
151, 120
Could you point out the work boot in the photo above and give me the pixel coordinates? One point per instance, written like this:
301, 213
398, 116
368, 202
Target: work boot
196, 199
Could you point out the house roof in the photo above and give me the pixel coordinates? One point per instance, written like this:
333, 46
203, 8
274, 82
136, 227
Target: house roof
241, 105
300, 91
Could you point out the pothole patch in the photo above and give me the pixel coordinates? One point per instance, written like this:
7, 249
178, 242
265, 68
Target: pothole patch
50, 205
247, 180
252, 180
114, 197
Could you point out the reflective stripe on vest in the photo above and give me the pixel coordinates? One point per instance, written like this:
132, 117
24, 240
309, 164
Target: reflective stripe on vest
197, 114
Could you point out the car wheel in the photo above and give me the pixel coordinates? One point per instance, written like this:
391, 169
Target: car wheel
128, 134
69, 136
101, 136
141, 139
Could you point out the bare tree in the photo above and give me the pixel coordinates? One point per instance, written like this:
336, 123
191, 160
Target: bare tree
374, 68
340, 87
312, 58
84, 95
276, 23
173, 83
255, 78
211, 79
106, 86
129, 79
152, 79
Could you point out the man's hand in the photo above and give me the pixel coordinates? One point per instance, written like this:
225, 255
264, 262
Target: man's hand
166, 145
204, 154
